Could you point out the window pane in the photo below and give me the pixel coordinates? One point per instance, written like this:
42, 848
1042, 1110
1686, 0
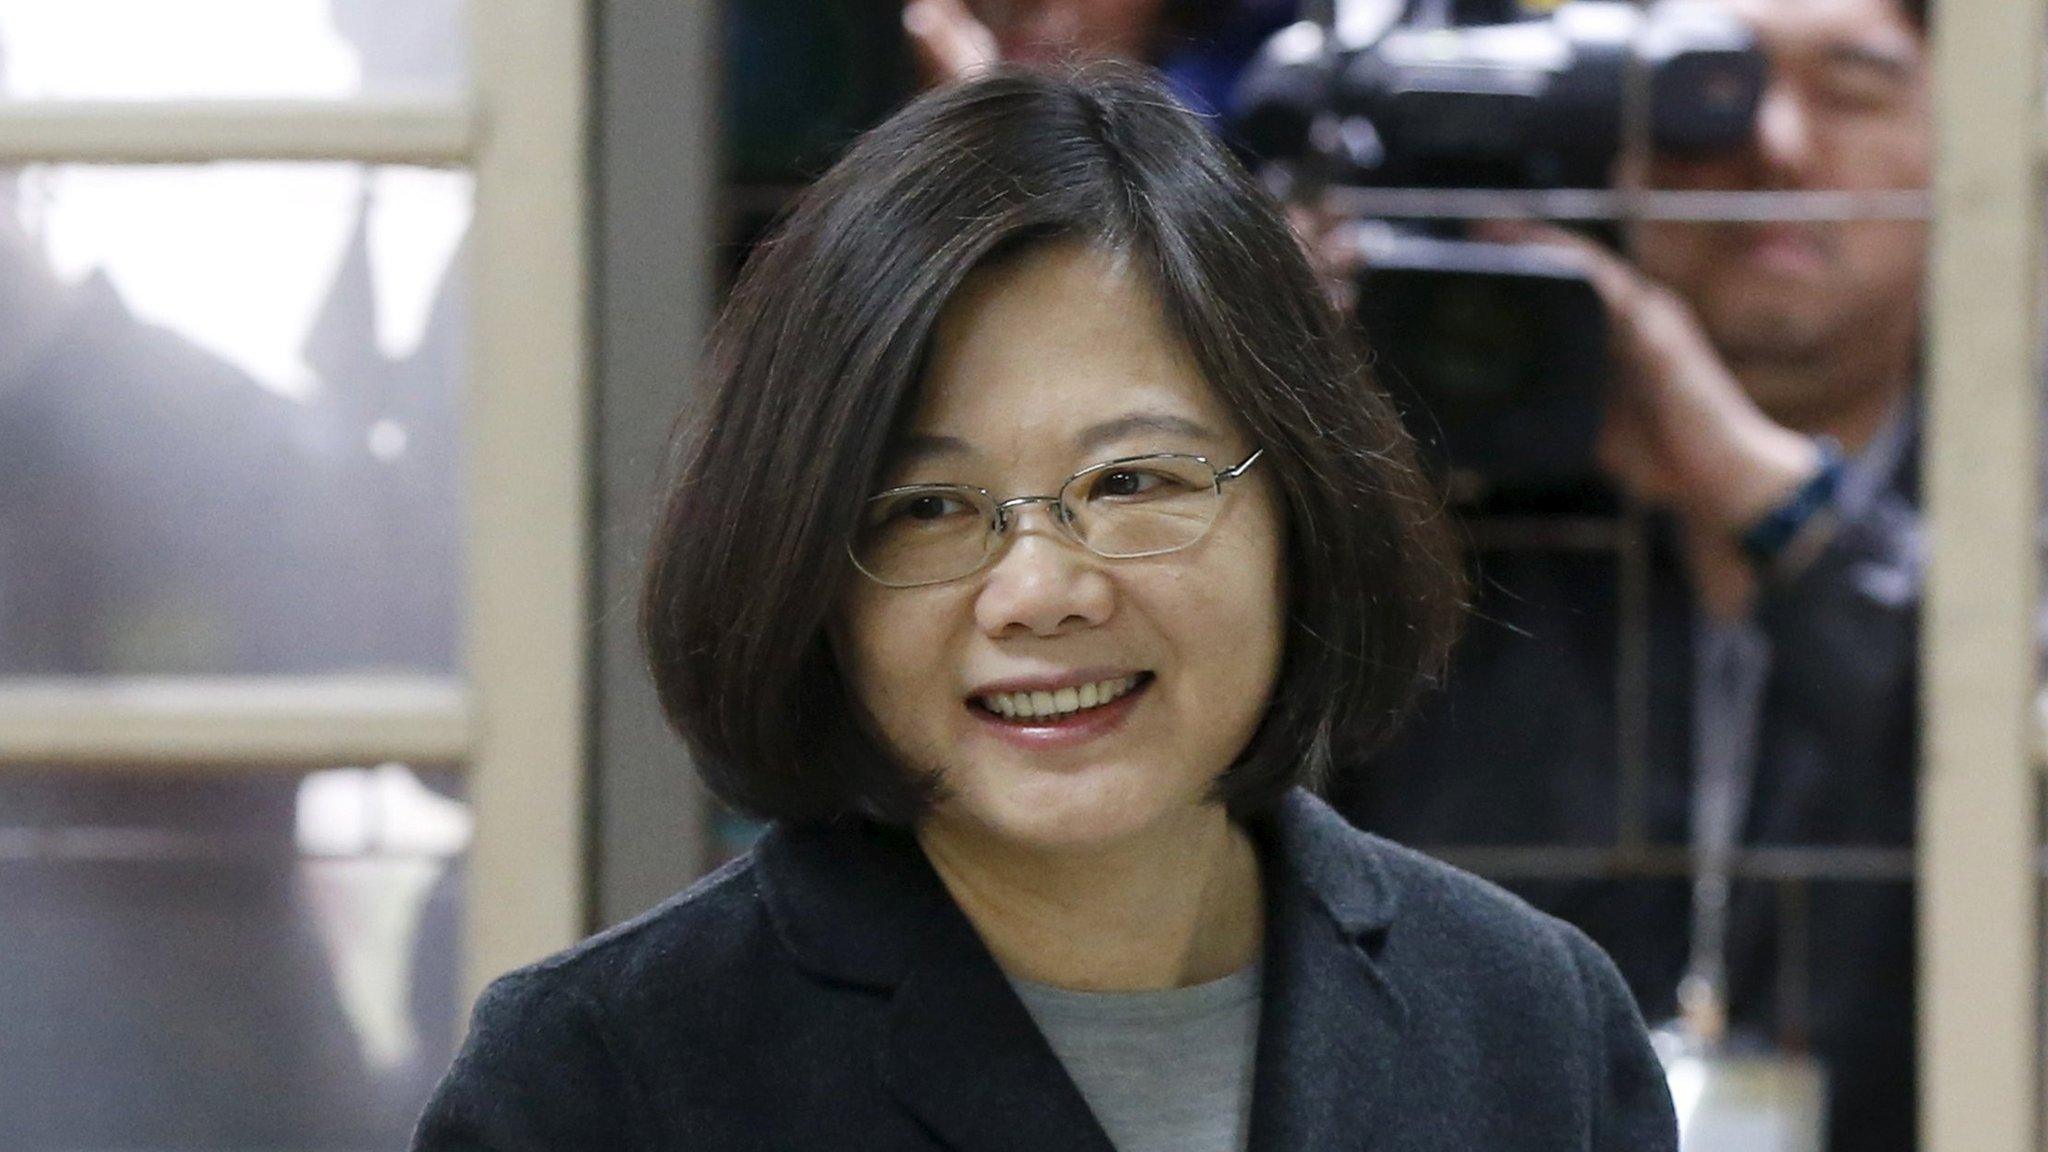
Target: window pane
227, 962
230, 49
228, 427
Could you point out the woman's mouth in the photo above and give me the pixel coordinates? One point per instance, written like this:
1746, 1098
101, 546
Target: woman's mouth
1042, 707
1069, 716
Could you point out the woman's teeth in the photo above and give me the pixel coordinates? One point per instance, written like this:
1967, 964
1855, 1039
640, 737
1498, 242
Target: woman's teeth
1037, 705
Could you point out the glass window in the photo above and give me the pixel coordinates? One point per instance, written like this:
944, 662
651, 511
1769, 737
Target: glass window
229, 437
233, 961
230, 49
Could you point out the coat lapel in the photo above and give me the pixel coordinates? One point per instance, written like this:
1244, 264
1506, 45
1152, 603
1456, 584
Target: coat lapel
1330, 1027
860, 905
964, 1055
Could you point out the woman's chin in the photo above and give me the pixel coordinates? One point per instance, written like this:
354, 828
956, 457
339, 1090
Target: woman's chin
1077, 812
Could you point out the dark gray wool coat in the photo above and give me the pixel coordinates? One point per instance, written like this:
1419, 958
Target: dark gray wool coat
825, 992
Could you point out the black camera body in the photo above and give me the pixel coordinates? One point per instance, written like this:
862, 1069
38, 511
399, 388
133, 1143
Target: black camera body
1497, 351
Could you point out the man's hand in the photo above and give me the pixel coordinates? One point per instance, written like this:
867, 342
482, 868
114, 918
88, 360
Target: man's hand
950, 43
1679, 431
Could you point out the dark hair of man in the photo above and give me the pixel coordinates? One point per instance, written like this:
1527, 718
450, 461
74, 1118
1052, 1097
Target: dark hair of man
815, 366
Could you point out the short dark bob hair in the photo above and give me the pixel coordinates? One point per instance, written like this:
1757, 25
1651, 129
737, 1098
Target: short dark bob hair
816, 364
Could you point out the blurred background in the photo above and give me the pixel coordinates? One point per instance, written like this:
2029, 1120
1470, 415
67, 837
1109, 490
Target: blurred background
339, 340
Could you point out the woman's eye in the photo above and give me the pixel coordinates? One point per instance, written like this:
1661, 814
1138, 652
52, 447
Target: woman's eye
1132, 483
926, 508
1125, 483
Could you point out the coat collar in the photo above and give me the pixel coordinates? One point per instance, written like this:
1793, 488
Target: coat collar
859, 905
1330, 1026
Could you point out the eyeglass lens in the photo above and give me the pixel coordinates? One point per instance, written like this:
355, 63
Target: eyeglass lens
1140, 507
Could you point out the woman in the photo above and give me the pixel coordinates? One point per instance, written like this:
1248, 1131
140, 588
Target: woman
1040, 539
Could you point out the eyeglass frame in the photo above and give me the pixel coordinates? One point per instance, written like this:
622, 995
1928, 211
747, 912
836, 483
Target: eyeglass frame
998, 529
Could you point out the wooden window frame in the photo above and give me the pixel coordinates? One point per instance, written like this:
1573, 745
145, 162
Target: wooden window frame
516, 723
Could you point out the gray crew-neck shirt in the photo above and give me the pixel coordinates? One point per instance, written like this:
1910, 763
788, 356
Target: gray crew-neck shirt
1165, 1071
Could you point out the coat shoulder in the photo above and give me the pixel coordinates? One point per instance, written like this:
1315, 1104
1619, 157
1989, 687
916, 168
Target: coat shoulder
1523, 993
1449, 899
714, 928
1465, 921
554, 1052
1373, 883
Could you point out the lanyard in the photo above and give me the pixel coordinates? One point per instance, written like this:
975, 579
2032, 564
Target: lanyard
1732, 663
1731, 667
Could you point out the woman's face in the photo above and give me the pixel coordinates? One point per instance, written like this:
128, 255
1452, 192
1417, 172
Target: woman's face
1040, 366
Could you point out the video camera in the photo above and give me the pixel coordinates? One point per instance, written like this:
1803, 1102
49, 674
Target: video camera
1497, 351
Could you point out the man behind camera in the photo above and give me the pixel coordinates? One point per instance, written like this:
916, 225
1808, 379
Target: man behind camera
1763, 401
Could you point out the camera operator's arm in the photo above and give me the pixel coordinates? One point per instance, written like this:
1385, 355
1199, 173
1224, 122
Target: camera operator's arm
950, 43
1680, 432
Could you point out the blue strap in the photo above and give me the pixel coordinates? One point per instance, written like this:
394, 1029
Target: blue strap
1764, 541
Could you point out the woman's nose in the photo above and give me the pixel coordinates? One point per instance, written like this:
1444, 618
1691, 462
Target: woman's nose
1044, 583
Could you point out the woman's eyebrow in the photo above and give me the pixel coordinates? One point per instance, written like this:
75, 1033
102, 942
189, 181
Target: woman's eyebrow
1110, 431
918, 447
